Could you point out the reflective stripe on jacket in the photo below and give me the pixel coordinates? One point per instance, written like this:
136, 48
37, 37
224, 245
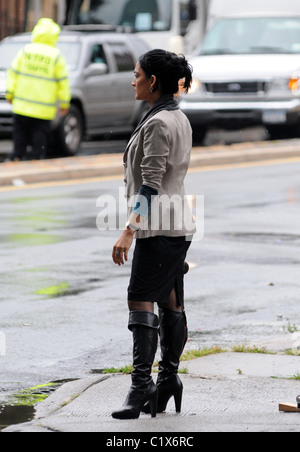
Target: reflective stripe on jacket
37, 81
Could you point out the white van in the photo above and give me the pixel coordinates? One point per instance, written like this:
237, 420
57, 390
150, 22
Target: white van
175, 25
247, 71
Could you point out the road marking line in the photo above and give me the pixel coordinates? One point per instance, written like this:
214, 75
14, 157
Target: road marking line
229, 166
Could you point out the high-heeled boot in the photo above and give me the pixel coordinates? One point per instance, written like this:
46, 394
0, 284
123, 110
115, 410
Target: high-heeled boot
144, 326
173, 337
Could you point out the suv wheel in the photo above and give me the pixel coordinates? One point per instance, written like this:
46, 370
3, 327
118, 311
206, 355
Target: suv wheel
70, 131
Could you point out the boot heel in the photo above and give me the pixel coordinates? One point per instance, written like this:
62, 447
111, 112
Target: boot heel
178, 400
153, 402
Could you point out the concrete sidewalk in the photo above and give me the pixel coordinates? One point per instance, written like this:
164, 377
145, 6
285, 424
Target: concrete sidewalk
228, 392
108, 165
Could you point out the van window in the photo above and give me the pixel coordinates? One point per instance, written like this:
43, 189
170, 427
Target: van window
263, 35
140, 15
123, 57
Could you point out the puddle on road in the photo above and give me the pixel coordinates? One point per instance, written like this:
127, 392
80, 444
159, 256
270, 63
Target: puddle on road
13, 415
20, 407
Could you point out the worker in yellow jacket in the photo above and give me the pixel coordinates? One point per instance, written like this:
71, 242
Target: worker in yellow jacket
37, 83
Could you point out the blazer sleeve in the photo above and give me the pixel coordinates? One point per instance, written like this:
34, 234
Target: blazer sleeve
156, 150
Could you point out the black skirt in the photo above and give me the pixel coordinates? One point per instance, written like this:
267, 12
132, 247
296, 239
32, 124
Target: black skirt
157, 269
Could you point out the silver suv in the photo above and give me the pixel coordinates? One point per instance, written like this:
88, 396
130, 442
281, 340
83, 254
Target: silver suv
100, 66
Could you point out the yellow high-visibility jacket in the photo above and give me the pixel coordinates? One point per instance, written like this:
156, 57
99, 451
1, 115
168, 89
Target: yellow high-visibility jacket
37, 80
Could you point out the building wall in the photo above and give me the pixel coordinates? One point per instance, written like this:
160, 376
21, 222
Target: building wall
17, 16
41, 8
12, 17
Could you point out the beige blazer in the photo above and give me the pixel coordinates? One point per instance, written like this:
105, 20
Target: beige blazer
158, 155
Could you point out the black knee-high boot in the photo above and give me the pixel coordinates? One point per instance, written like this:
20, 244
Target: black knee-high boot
173, 337
144, 326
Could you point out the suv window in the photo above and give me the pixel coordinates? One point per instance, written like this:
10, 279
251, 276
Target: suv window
98, 54
123, 57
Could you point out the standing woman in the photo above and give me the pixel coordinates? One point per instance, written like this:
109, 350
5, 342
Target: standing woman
156, 162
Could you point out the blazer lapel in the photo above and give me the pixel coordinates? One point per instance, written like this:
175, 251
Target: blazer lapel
132, 138
128, 146
171, 106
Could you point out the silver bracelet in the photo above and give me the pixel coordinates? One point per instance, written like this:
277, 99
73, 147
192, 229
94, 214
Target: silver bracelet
132, 227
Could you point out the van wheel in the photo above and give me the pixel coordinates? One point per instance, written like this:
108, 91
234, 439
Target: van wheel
70, 131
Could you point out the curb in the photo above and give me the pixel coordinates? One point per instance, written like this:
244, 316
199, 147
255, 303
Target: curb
66, 394
245, 153
22, 173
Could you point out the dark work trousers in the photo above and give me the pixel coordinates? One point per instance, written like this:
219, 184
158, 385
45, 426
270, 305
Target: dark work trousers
30, 132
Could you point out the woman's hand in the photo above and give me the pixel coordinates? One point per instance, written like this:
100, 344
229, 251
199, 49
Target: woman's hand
122, 247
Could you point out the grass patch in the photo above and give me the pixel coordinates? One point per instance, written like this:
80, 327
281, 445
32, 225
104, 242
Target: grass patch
296, 376
291, 329
192, 354
244, 348
201, 352
187, 356
126, 370
293, 352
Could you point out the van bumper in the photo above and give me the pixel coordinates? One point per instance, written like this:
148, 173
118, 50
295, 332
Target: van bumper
233, 115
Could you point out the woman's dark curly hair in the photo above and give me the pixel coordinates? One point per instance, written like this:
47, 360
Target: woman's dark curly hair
169, 69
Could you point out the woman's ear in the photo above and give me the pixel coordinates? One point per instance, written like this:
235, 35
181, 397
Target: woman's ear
153, 81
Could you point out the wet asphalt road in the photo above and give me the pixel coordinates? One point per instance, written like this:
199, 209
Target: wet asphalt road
63, 302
